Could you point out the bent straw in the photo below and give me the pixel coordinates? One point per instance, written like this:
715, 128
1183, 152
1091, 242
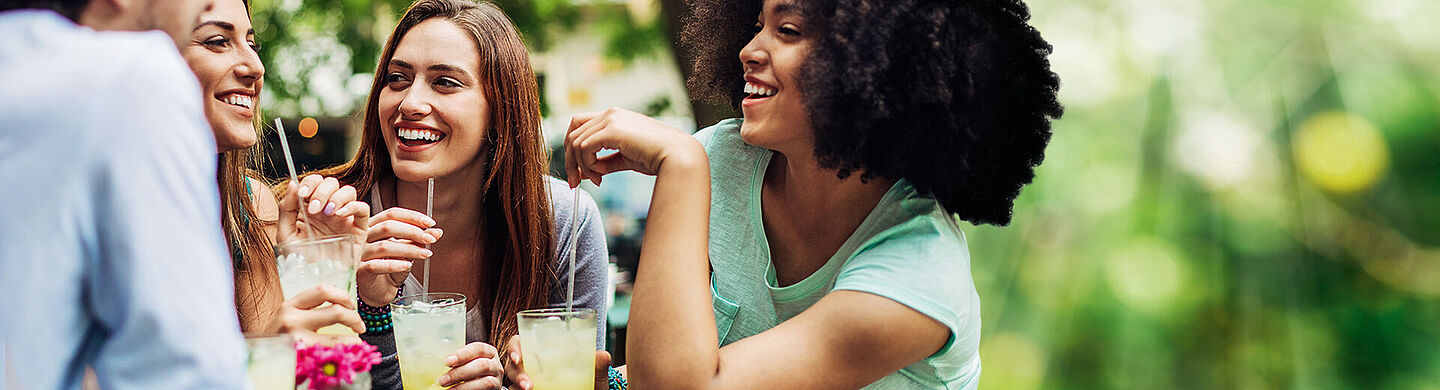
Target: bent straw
429, 209
290, 163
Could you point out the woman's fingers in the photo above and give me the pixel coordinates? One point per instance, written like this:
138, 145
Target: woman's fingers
388, 249
314, 319
384, 266
511, 361
472, 362
404, 215
338, 199
602, 370
384, 230
319, 295
359, 214
308, 184
317, 201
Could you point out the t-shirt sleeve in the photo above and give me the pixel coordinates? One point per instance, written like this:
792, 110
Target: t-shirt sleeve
924, 265
162, 284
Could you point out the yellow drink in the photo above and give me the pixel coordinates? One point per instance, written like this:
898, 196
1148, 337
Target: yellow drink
271, 362
559, 348
428, 327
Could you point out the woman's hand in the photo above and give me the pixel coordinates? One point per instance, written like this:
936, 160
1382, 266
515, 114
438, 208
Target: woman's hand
302, 315
515, 367
642, 144
396, 237
329, 208
473, 367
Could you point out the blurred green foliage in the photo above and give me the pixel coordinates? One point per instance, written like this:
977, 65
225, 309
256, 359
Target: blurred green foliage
1242, 195
321, 53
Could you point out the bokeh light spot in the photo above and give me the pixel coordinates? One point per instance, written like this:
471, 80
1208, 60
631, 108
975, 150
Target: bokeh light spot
1341, 152
308, 127
1146, 275
1011, 361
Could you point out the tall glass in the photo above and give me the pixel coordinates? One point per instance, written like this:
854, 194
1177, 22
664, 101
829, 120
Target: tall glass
271, 361
309, 263
559, 348
428, 327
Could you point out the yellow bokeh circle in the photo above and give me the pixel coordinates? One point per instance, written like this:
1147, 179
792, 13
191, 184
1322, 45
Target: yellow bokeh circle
1341, 152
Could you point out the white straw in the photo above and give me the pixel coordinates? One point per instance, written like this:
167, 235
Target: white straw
429, 211
574, 236
290, 163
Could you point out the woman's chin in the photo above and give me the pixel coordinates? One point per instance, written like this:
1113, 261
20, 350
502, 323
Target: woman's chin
231, 142
412, 171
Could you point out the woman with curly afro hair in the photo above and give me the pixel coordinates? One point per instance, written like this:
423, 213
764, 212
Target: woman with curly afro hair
814, 244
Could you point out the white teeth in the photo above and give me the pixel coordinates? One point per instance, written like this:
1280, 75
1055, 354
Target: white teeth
239, 100
752, 89
417, 135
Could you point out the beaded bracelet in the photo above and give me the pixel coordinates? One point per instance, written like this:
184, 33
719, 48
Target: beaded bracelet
617, 381
377, 319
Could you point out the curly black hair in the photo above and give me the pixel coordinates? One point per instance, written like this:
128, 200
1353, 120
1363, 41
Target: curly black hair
956, 96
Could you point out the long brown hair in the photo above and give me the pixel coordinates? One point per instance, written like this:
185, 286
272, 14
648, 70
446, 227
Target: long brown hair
257, 283
515, 201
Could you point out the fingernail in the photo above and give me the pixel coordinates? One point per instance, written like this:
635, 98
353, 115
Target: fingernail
315, 206
304, 191
330, 208
444, 380
524, 384
428, 239
450, 360
428, 253
429, 221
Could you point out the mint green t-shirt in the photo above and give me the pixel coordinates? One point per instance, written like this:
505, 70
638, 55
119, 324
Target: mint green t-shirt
908, 249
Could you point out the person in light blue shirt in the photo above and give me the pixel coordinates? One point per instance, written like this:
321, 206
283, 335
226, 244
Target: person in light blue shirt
109, 241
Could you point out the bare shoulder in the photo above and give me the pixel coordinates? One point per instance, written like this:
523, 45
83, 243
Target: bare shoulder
266, 207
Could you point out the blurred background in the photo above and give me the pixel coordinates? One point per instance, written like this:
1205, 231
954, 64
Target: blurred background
1241, 195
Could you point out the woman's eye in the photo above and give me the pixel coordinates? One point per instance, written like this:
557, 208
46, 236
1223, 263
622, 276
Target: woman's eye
255, 46
446, 82
787, 30
217, 41
396, 80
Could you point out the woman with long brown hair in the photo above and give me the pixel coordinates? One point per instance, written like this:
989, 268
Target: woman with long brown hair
455, 99
222, 52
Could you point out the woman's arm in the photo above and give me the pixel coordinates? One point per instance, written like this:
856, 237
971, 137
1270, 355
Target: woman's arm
846, 340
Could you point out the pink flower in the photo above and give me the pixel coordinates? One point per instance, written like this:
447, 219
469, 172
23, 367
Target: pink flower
329, 366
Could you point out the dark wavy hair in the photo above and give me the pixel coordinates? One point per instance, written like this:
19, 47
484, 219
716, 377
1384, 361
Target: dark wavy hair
955, 96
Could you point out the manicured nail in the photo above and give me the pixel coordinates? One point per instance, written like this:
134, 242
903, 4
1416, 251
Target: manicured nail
315, 206
428, 253
330, 208
428, 220
304, 191
445, 380
428, 239
450, 360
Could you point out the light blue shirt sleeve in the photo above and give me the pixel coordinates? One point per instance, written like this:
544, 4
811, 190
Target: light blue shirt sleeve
162, 285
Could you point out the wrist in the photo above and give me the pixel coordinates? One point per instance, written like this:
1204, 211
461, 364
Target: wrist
686, 157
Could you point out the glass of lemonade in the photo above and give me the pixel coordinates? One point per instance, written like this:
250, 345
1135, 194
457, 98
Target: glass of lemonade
309, 263
558, 348
271, 361
428, 327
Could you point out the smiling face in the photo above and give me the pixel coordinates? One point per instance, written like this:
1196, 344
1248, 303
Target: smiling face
223, 54
774, 107
433, 112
